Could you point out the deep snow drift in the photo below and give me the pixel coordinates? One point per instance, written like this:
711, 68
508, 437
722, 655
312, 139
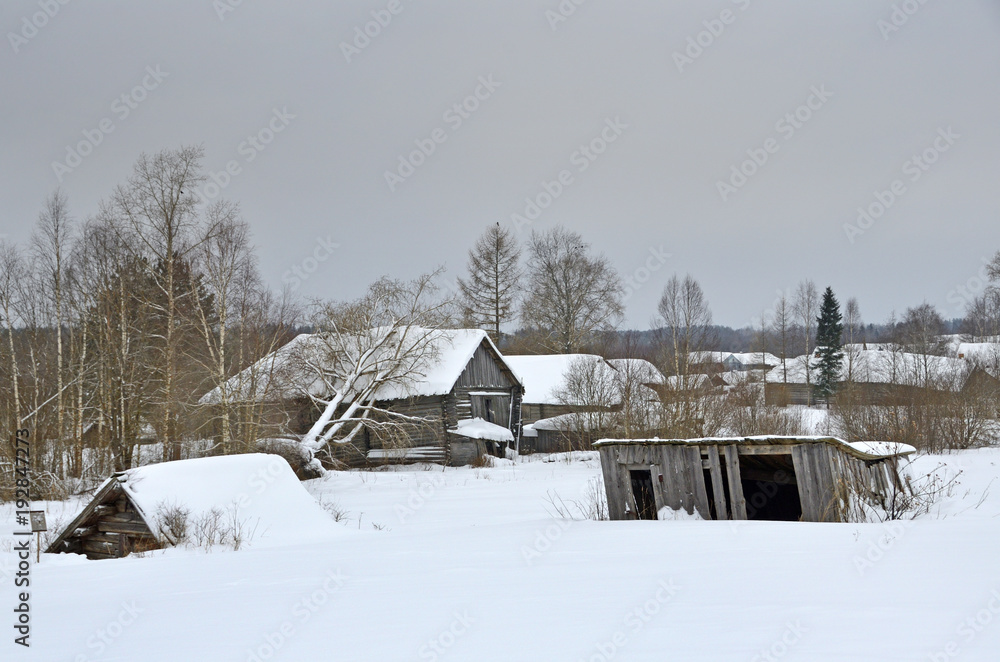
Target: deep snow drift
428, 563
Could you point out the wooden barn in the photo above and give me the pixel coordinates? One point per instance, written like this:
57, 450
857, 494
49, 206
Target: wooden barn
254, 498
469, 399
811, 479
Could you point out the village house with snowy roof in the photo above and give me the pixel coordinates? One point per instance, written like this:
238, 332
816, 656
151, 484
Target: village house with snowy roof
466, 401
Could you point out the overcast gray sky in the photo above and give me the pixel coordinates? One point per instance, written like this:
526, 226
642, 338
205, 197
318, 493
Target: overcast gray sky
340, 110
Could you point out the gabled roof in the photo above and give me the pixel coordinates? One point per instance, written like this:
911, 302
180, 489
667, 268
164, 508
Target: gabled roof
283, 374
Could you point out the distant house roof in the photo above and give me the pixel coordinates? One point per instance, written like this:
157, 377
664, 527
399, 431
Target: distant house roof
284, 374
978, 351
754, 358
883, 367
545, 374
646, 372
707, 357
697, 381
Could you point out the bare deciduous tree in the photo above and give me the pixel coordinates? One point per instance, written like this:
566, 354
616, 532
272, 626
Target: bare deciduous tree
12, 268
383, 340
781, 322
853, 328
571, 293
51, 246
159, 207
806, 308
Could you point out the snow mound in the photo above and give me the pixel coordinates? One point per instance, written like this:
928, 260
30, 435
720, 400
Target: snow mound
257, 491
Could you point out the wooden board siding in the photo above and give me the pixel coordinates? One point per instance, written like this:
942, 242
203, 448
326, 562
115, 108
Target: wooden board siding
815, 478
485, 370
109, 527
718, 489
534, 411
737, 502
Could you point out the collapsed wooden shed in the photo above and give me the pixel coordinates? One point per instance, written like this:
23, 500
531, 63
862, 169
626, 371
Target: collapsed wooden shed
231, 500
812, 479
109, 527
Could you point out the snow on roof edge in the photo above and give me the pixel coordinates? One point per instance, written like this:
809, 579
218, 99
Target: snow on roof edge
865, 449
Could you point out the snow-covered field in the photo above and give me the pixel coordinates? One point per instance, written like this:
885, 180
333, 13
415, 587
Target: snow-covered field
475, 564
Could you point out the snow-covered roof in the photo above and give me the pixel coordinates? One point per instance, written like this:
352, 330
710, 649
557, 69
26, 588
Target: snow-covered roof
545, 374
646, 372
477, 428
696, 381
754, 358
257, 493
882, 367
285, 374
707, 357
574, 421
259, 490
868, 450
978, 351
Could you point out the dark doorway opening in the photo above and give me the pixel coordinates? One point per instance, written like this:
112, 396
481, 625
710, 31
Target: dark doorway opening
642, 492
770, 488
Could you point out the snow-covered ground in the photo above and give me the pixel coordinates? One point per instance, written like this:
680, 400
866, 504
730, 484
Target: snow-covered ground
476, 564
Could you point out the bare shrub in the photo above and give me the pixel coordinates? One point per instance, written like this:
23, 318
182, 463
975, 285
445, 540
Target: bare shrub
173, 521
592, 504
880, 492
335, 511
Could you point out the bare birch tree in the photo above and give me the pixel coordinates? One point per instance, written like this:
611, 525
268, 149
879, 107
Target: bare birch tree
852, 333
51, 245
159, 207
805, 309
11, 271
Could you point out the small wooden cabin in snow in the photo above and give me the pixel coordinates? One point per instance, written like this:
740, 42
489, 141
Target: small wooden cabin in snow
467, 396
255, 497
811, 479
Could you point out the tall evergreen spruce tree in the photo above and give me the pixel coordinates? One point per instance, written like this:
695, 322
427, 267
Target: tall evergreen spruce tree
829, 331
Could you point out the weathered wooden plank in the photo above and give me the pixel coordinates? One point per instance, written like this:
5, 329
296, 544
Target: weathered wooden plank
108, 526
738, 504
99, 556
806, 487
658, 497
610, 469
718, 490
764, 449
672, 477
698, 479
